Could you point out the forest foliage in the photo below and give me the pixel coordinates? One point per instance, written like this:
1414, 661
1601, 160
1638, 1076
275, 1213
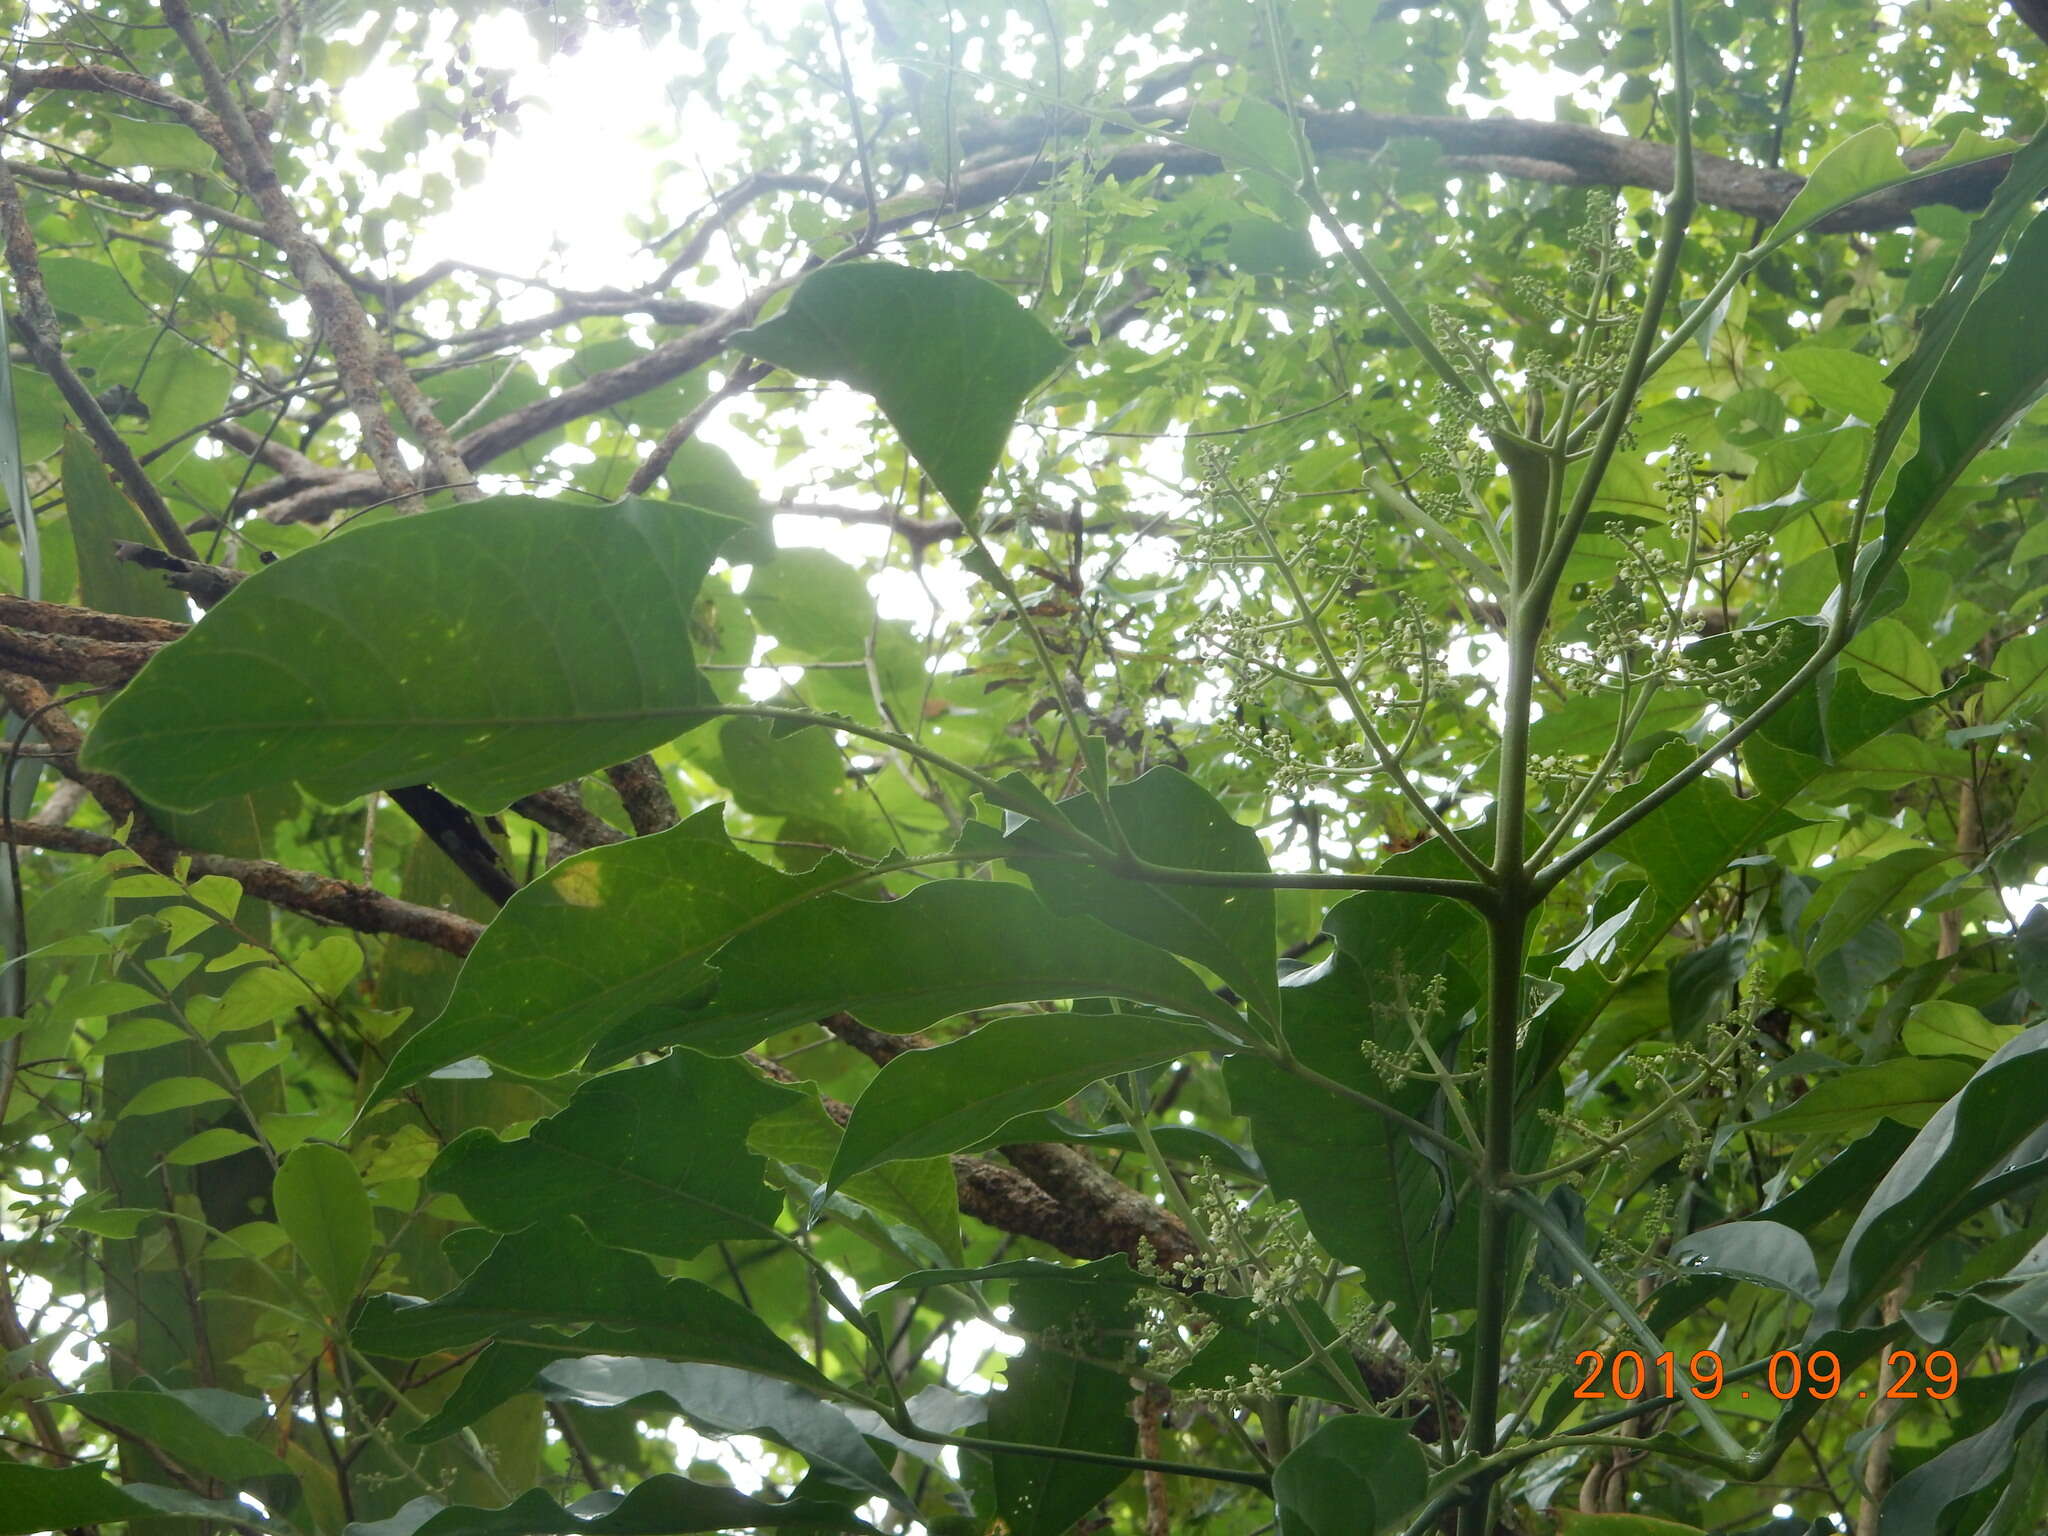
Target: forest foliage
1190, 779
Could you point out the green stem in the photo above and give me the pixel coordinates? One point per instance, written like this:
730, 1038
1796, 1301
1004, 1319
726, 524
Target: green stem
1614, 417
1137, 1115
1507, 946
1288, 1062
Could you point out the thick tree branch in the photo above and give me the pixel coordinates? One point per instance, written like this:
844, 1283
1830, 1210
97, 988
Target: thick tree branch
561, 811
643, 790
64, 619
72, 658
333, 901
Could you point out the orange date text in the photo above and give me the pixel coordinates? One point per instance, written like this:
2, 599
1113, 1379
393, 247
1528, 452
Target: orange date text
1628, 1374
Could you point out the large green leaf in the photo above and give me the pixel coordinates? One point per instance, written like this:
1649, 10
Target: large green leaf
548, 1278
947, 947
665, 1505
35, 1501
1944, 319
719, 1401
1906, 1088
1884, 886
597, 941
1051, 1397
1372, 1195
493, 648
1963, 1158
1171, 820
948, 356
1990, 374
500, 1371
324, 1210
1917, 1501
1354, 1476
1861, 164
1694, 834
652, 1158
925, 1103
202, 1430
1762, 1252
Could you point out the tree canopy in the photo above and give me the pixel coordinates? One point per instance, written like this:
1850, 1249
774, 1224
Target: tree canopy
1272, 765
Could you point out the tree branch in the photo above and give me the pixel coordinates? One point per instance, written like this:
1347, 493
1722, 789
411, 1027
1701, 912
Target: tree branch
334, 901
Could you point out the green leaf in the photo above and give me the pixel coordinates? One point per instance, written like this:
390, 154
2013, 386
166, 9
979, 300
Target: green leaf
926, 1103
2022, 668
1907, 1088
501, 1371
948, 356
947, 947
1052, 1398
493, 648
555, 1276
1864, 163
922, 1195
1916, 1502
1354, 1476
99, 1000
815, 605
209, 1146
595, 943
1842, 381
160, 146
323, 1208
202, 1430
1766, 1252
1693, 835
1873, 890
1972, 361
1892, 659
718, 1401
1371, 1194
1946, 1028
1700, 987
653, 1158
91, 290
1171, 820
664, 1505
34, 1501
1949, 1170
168, 1093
